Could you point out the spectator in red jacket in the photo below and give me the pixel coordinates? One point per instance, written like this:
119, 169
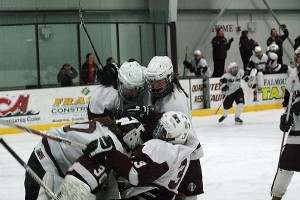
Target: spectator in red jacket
89, 70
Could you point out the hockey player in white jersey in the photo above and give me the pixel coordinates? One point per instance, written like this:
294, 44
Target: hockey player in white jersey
231, 86
105, 98
198, 65
132, 85
290, 157
157, 167
272, 66
168, 95
60, 164
256, 68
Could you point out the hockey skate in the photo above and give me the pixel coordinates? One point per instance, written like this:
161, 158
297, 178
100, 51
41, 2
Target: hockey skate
221, 119
238, 121
276, 198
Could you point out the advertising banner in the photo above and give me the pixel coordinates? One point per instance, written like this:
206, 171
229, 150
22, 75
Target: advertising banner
45, 106
196, 95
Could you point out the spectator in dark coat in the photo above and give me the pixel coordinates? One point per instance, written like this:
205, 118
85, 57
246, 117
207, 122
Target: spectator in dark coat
66, 75
246, 47
297, 42
278, 39
88, 71
220, 48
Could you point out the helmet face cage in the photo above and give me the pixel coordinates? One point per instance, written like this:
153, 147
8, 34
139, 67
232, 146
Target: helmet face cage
127, 94
160, 88
160, 132
234, 70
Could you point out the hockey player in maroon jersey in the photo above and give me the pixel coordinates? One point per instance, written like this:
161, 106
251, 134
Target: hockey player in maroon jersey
157, 167
60, 164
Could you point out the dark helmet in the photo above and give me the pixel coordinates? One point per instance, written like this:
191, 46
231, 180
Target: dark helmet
108, 75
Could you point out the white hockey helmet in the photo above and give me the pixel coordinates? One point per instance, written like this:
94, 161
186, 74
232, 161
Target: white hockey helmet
173, 127
131, 80
197, 52
273, 47
258, 51
297, 57
159, 76
233, 68
132, 130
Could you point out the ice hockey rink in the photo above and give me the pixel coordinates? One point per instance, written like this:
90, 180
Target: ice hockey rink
239, 164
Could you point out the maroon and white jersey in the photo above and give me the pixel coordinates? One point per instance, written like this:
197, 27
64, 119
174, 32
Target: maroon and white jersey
156, 163
57, 157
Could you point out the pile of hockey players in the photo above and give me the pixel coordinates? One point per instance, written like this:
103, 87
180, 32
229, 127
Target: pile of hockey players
140, 142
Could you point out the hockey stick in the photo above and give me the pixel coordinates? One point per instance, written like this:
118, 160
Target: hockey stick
29, 170
51, 137
82, 24
285, 133
214, 113
186, 50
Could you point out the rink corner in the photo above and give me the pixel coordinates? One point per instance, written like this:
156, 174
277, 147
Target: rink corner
254, 108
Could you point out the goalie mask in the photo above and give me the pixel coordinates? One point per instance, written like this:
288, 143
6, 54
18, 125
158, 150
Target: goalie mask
132, 130
173, 127
131, 81
159, 76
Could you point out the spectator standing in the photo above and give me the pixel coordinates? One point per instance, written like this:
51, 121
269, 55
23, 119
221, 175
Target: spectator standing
89, 70
246, 47
278, 39
220, 48
66, 75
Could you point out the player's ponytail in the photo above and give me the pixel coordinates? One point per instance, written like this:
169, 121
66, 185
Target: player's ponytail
110, 124
178, 85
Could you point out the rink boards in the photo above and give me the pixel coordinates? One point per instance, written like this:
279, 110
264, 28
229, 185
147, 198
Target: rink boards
44, 108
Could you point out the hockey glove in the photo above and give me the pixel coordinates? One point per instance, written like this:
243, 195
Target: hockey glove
246, 78
296, 108
187, 64
225, 88
99, 149
204, 69
285, 125
141, 113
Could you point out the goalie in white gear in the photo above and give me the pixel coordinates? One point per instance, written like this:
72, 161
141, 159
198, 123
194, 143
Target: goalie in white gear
290, 158
272, 66
131, 86
157, 167
61, 166
198, 65
255, 69
231, 87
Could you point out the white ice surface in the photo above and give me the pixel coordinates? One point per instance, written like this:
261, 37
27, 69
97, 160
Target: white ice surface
239, 163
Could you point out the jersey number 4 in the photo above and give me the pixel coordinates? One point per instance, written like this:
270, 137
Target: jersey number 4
173, 184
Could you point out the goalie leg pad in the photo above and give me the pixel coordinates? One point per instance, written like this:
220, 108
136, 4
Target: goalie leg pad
281, 183
75, 189
53, 181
